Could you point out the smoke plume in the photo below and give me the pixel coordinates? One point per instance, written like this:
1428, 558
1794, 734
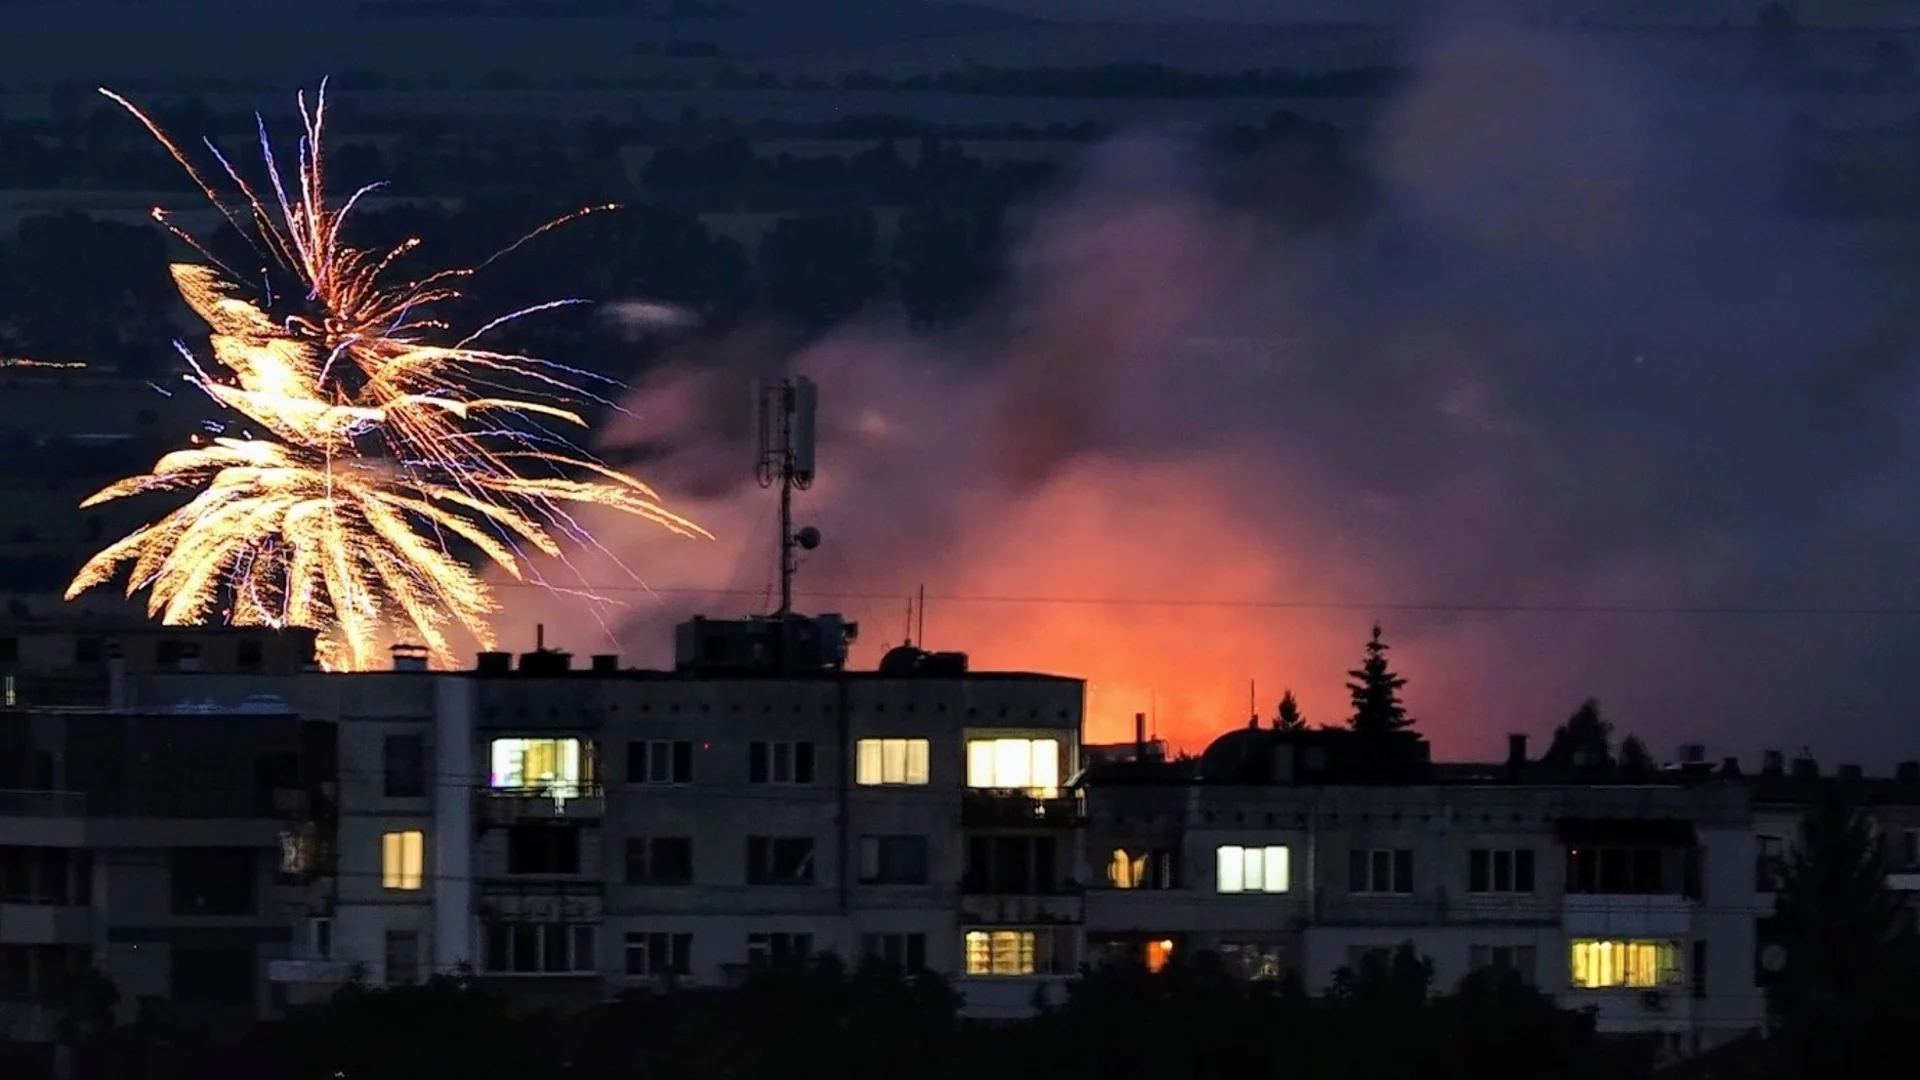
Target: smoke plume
1580, 355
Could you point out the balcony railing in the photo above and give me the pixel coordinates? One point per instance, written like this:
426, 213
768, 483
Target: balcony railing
577, 798
211, 803
1019, 809
42, 804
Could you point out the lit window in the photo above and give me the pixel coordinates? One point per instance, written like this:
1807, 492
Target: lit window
891, 761
403, 859
563, 768
1020, 952
1252, 869
1024, 764
1000, 952
1125, 871
1598, 965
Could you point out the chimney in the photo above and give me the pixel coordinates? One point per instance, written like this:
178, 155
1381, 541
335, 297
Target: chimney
1139, 736
1773, 763
1907, 772
1730, 767
1516, 755
1851, 772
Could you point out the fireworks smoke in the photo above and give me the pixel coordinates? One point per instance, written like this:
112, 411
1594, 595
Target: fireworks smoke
362, 450
1579, 355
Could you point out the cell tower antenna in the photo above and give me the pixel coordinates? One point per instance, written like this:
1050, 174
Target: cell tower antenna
787, 410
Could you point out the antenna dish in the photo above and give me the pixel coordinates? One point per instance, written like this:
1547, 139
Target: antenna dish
808, 538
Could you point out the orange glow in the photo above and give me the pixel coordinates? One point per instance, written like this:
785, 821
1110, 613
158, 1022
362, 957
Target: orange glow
1159, 954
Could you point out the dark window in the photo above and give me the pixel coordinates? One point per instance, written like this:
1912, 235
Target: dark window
9, 650
779, 860
907, 952
659, 860
1498, 870
780, 763
1631, 871
222, 976
655, 954
403, 957
1518, 959
765, 949
543, 849
660, 762
1770, 864
405, 766
1011, 865
213, 881
248, 653
1382, 870
529, 948
86, 650
1699, 969
893, 860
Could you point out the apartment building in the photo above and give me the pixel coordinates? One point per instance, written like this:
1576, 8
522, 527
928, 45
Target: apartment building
569, 833
1305, 851
142, 830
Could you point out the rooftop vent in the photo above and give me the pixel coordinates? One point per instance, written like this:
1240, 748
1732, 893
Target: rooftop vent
409, 657
493, 663
1907, 772
1693, 754
606, 662
1851, 772
1773, 763
1805, 768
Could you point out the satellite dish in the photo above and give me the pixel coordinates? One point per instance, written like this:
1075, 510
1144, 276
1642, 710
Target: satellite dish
808, 538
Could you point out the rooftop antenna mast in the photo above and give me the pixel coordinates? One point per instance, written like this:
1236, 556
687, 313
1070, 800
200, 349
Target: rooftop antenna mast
786, 411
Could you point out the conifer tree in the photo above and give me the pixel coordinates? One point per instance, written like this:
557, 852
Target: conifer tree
1289, 718
1377, 708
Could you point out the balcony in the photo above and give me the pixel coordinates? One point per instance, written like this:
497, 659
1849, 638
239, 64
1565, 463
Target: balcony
1002, 809
574, 801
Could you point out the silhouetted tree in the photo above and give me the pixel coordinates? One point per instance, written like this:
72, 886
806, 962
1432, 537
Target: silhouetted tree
446, 1025
1584, 741
1634, 756
1377, 709
1289, 718
820, 270
1845, 992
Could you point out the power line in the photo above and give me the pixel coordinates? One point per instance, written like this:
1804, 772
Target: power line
1656, 610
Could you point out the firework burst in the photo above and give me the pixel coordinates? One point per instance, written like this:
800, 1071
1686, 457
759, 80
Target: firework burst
376, 449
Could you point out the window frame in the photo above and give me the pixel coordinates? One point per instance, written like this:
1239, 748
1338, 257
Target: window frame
872, 764
661, 762
1664, 961
1245, 858
649, 860
648, 946
765, 758
1365, 872
394, 870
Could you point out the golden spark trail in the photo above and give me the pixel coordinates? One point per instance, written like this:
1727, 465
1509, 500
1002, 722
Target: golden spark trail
372, 448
